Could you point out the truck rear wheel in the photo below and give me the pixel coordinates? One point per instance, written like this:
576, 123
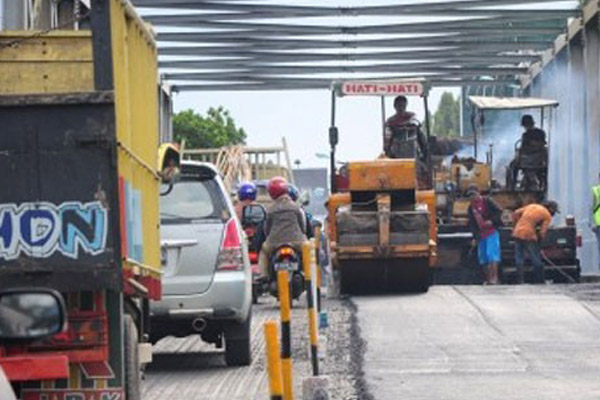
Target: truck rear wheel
133, 374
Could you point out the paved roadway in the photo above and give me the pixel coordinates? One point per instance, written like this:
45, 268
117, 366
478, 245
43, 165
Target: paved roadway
476, 342
192, 370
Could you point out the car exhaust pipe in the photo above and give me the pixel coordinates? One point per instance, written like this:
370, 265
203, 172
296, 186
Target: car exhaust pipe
199, 324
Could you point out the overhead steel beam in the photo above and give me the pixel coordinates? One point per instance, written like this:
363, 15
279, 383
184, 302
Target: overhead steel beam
227, 51
323, 86
204, 21
274, 56
348, 70
260, 62
230, 78
223, 21
479, 29
430, 41
290, 81
319, 68
291, 10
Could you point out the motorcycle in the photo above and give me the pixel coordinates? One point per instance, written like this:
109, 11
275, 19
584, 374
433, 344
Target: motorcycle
252, 223
287, 258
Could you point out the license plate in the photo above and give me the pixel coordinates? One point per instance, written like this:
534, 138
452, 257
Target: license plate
73, 394
283, 267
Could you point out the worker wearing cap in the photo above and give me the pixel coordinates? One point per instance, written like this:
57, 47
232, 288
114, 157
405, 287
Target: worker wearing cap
596, 213
531, 225
485, 219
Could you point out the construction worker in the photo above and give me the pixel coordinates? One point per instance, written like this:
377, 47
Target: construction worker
285, 223
596, 213
533, 139
246, 195
532, 156
485, 219
402, 117
400, 130
531, 225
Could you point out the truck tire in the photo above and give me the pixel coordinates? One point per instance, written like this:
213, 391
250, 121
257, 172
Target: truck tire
133, 373
237, 343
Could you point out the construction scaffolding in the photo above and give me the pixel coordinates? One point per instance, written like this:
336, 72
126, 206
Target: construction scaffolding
239, 163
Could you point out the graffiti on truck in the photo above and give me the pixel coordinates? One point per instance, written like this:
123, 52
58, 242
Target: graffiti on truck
42, 229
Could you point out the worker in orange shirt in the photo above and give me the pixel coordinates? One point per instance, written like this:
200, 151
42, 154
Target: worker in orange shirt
528, 238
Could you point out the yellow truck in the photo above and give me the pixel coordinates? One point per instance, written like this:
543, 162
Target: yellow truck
79, 212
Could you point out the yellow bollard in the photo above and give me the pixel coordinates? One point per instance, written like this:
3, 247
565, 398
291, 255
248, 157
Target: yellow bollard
286, 331
319, 277
273, 361
307, 255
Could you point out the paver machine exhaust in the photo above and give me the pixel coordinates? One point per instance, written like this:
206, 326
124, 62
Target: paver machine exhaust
381, 213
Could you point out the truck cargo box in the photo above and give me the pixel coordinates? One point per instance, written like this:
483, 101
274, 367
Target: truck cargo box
59, 219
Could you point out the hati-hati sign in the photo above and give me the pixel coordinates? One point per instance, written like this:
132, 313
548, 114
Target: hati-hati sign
42, 229
381, 88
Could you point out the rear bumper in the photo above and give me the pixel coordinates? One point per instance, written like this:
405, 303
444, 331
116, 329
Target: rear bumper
228, 298
35, 367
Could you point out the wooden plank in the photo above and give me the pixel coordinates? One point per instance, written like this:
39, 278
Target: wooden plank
59, 62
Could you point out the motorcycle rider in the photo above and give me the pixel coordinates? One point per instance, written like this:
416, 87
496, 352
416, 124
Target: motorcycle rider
294, 195
285, 223
246, 195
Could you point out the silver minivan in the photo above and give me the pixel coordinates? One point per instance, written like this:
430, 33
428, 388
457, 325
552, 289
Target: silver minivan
207, 282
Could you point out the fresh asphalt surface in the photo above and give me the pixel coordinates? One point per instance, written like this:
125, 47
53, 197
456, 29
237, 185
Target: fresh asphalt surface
476, 342
455, 342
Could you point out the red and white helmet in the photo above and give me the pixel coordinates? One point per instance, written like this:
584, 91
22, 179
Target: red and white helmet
277, 187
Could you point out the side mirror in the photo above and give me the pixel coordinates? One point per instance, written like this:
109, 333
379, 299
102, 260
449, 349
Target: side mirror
333, 136
31, 314
169, 162
253, 214
305, 198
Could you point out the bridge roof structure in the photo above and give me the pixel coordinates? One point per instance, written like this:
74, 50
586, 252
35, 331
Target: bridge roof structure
207, 45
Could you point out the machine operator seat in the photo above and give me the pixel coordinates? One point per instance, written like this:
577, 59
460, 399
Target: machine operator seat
529, 169
408, 141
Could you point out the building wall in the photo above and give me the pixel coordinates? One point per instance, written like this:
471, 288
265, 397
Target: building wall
572, 77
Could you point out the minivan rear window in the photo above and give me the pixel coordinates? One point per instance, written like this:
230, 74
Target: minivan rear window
192, 199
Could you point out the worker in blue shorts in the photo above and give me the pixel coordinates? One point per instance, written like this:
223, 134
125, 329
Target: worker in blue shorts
485, 220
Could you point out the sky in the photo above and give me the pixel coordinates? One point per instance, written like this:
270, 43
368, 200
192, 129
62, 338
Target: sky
303, 118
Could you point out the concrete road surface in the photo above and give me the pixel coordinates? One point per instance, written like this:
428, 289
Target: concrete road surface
475, 342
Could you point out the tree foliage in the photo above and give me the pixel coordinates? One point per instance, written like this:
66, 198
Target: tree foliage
446, 120
216, 129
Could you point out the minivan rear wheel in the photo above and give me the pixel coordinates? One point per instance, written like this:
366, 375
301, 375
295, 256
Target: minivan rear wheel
237, 343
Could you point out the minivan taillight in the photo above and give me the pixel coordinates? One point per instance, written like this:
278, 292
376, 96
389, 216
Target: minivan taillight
230, 256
